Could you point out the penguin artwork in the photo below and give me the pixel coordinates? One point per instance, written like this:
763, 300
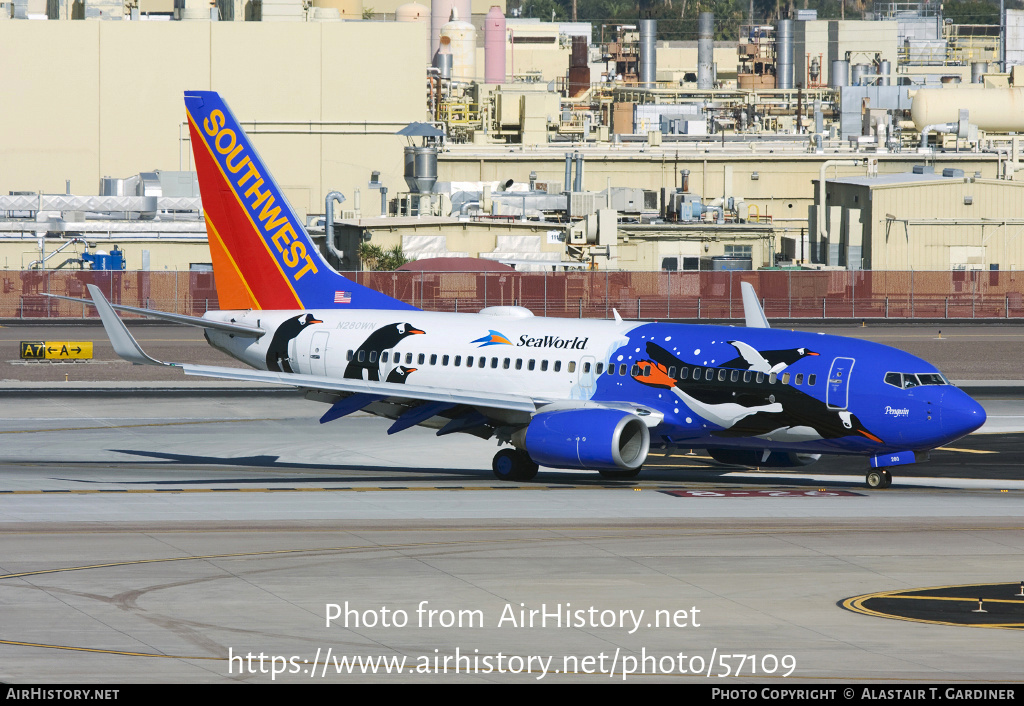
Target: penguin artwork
783, 414
277, 352
400, 374
367, 356
764, 361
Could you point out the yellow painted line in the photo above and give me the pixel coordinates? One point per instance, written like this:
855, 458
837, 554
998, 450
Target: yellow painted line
856, 605
136, 426
954, 598
965, 451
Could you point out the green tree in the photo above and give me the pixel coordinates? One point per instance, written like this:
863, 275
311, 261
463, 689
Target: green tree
376, 259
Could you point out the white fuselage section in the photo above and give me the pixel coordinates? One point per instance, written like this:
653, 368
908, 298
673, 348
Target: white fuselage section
541, 357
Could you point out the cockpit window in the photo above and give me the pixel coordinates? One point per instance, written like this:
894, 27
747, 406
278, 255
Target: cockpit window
905, 381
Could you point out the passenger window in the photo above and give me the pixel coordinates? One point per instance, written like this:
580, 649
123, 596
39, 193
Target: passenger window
747, 375
532, 364
622, 370
433, 358
586, 367
572, 366
482, 363
519, 363
385, 356
799, 378
421, 358
494, 362
362, 356
444, 360
672, 371
543, 366
709, 374
684, 373
734, 376
772, 378
506, 363
349, 355
760, 378
600, 369
635, 370
810, 379
558, 366
785, 378
469, 361
458, 360
408, 358
611, 368
721, 376
373, 356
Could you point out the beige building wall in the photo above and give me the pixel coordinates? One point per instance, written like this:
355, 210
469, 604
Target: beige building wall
322, 100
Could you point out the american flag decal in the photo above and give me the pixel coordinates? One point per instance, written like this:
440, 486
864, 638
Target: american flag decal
343, 297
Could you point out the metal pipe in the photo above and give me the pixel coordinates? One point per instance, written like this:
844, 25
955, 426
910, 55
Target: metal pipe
568, 171
648, 55
578, 185
705, 51
937, 127
329, 222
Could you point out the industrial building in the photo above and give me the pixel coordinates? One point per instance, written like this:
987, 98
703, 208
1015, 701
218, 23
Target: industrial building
551, 145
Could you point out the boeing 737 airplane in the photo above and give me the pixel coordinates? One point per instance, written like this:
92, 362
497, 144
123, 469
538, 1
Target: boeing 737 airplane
578, 394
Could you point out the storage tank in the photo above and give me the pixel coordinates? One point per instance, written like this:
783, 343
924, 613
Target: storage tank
840, 74
648, 55
463, 43
494, 46
784, 52
858, 73
412, 12
978, 71
991, 109
441, 13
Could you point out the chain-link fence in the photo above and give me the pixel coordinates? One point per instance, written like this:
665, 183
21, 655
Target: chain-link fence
785, 294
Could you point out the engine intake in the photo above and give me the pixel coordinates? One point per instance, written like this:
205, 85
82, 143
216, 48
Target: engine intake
587, 438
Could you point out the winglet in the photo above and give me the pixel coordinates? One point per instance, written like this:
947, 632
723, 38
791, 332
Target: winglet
124, 343
752, 310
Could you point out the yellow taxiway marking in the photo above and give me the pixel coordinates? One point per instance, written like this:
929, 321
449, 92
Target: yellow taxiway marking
856, 605
135, 426
965, 451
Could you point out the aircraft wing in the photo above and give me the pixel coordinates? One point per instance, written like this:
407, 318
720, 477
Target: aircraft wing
129, 349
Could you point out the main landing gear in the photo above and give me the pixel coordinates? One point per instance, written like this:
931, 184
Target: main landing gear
878, 478
513, 464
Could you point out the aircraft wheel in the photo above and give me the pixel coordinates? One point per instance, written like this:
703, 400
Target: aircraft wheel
620, 474
513, 465
887, 479
876, 479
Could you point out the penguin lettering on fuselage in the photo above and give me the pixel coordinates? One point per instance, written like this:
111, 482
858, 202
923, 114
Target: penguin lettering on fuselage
277, 352
367, 356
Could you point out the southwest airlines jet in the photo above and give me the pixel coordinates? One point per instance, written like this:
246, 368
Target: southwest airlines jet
578, 394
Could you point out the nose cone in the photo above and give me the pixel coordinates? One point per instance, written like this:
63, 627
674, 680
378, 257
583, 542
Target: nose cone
959, 414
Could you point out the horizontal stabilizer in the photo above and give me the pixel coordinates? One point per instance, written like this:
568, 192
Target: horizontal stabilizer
227, 327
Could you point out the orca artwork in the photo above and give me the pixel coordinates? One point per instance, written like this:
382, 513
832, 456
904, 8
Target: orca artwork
585, 394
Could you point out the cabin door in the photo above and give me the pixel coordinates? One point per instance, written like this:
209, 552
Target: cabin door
838, 393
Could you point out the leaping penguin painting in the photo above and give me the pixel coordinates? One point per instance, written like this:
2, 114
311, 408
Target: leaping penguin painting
277, 352
368, 356
764, 361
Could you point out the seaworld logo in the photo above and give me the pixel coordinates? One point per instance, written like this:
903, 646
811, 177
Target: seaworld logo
493, 338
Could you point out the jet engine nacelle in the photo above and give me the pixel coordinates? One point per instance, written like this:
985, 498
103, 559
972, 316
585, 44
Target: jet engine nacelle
595, 439
762, 459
